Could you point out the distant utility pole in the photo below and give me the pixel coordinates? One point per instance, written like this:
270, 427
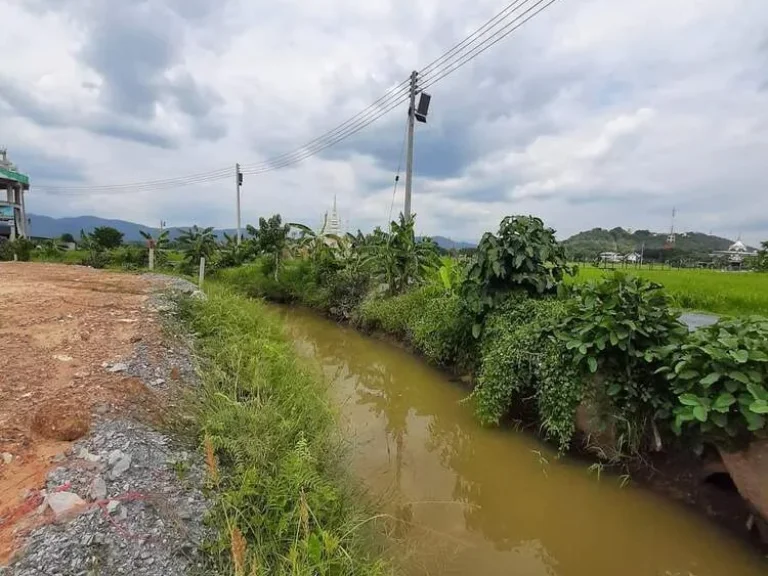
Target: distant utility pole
409, 154
238, 183
414, 113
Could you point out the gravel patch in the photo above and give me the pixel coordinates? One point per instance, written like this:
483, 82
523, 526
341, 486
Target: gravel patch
125, 499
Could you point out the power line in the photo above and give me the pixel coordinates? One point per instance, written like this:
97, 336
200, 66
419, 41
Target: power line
490, 33
450, 61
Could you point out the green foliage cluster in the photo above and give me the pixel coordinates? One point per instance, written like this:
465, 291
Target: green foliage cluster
522, 367
719, 378
107, 237
523, 255
276, 468
613, 327
20, 247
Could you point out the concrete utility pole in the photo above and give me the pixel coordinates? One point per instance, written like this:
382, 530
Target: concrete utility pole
409, 155
238, 183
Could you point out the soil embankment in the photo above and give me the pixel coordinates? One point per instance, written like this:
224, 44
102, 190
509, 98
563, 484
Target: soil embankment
87, 480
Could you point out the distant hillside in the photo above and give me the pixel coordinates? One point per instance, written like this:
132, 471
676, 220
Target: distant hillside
47, 227
587, 245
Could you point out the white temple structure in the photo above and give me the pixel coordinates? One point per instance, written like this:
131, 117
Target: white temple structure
332, 223
736, 252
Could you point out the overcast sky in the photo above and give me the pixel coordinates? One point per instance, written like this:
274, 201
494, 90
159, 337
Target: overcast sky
595, 113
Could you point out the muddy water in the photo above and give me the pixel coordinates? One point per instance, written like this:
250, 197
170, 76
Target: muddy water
472, 501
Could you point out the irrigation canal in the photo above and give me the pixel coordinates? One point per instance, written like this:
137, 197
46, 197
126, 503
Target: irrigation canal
475, 501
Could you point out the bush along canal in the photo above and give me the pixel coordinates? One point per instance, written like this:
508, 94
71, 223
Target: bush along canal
603, 366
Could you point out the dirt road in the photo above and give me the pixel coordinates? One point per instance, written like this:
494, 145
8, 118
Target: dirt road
63, 332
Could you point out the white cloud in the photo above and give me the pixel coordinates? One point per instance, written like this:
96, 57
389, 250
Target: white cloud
596, 113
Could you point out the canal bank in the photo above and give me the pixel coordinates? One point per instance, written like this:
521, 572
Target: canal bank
474, 500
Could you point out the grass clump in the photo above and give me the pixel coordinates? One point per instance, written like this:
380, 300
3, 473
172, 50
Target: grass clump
282, 502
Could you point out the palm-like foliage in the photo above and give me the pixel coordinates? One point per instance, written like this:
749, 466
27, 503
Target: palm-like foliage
233, 254
159, 243
397, 259
197, 243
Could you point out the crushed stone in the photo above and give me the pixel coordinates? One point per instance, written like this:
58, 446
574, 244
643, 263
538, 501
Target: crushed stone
134, 493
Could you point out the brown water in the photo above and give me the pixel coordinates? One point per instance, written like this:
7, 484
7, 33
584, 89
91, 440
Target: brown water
474, 501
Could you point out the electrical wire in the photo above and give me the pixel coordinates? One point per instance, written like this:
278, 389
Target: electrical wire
456, 57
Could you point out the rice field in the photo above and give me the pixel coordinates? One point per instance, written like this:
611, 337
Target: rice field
727, 293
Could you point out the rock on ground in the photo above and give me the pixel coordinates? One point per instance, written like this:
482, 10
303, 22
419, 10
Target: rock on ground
148, 520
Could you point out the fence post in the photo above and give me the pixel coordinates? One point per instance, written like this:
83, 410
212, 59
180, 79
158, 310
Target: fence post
151, 258
201, 275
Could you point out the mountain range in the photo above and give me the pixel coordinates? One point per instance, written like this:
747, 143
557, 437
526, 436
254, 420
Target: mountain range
47, 227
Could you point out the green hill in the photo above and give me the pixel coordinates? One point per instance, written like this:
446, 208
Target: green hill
688, 245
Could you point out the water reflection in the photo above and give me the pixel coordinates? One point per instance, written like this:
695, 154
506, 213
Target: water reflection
481, 501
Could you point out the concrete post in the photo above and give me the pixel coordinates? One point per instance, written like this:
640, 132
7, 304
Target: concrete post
201, 274
151, 258
24, 223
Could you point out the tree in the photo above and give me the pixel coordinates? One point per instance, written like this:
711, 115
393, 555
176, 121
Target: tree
396, 259
107, 237
197, 243
762, 257
67, 238
271, 238
159, 243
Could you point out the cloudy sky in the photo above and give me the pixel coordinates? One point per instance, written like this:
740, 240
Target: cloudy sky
595, 113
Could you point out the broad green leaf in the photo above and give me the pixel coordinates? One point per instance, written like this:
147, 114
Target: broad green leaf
757, 391
723, 402
476, 328
689, 399
572, 344
720, 420
755, 421
759, 407
700, 413
709, 379
758, 356
739, 377
583, 348
688, 375
592, 361
614, 389
731, 386
755, 376
741, 356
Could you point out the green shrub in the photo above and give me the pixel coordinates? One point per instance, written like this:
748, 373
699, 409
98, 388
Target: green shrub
21, 247
281, 477
129, 257
525, 255
612, 328
719, 379
396, 315
441, 331
522, 367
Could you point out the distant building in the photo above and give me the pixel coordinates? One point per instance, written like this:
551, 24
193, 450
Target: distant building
610, 257
736, 253
633, 257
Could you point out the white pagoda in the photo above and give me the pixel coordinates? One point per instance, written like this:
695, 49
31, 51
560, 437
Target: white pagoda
332, 223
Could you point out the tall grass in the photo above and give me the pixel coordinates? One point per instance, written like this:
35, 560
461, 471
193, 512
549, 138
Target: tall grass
283, 502
728, 293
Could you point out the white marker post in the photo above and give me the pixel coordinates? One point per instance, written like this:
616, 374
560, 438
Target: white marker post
151, 258
201, 275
